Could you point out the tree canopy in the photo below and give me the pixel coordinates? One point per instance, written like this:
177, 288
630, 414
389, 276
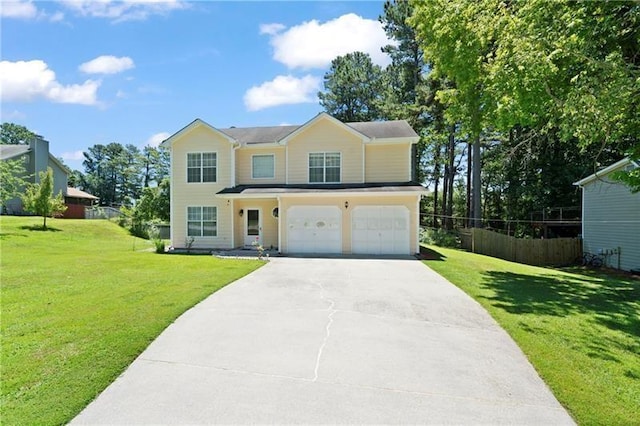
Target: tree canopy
15, 134
352, 88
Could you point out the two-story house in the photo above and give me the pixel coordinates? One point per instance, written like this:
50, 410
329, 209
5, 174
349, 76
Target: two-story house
36, 159
321, 187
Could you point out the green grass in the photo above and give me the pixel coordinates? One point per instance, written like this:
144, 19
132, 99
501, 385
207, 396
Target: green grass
580, 329
79, 302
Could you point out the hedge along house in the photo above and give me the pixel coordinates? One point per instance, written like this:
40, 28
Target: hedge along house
321, 187
611, 217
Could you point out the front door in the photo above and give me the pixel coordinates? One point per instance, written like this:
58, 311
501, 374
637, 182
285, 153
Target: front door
253, 227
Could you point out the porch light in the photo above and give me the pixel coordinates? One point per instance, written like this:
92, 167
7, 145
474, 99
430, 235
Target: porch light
346, 204
241, 212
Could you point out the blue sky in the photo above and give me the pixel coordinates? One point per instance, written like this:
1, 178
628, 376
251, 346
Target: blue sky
86, 72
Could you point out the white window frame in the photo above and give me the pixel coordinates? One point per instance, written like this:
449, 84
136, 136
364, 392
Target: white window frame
201, 166
273, 175
202, 221
324, 166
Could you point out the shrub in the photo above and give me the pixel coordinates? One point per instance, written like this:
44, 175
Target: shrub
439, 237
159, 245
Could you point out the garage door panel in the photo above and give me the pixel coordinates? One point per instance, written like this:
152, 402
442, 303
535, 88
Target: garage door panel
314, 229
386, 230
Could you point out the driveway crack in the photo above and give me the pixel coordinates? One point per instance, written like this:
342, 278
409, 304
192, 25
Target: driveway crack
330, 309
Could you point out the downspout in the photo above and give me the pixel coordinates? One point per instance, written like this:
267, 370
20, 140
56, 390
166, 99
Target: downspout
279, 226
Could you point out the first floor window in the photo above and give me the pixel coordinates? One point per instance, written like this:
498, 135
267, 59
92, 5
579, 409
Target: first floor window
324, 167
202, 221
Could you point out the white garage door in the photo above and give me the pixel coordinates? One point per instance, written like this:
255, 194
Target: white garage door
314, 229
380, 230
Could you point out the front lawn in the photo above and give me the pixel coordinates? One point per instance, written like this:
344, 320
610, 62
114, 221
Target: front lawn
580, 329
79, 303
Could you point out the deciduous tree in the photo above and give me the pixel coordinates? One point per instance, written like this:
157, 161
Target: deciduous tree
39, 199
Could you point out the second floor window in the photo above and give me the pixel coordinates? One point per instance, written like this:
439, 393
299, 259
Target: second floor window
324, 167
263, 166
201, 167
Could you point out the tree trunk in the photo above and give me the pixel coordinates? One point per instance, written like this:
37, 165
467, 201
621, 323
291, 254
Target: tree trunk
436, 178
452, 173
44, 224
477, 190
468, 213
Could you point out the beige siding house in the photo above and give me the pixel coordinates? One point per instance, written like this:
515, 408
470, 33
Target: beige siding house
321, 187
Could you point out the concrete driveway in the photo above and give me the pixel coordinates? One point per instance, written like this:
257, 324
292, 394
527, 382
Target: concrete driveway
331, 341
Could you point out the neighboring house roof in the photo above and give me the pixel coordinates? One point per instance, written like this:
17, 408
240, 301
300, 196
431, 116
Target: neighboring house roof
280, 134
321, 188
76, 193
11, 151
601, 173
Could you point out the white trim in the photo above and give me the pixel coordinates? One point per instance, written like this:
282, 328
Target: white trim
327, 193
272, 155
186, 168
279, 226
364, 165
324, 167
417, 247
172, 203
233, 166
233, 228
410, 163
603, 172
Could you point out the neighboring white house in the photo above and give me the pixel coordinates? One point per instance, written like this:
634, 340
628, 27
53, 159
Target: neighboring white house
611, 217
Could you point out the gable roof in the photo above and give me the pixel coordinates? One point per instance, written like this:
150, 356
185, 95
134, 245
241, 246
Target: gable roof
77, 193
252, 135
319, 117
194, 125
11, 151
601, 173
367, 130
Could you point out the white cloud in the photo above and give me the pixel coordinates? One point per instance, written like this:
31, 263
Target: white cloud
25, 81
57, 17
271, 29
282, 90
119, 11
107, 64
72, 155
157, 139
314, 45
121, 94
18, 10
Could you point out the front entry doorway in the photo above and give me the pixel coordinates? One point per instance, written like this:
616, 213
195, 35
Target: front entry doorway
253, 227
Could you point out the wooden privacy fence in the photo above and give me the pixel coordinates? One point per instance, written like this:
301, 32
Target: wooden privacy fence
540, 252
